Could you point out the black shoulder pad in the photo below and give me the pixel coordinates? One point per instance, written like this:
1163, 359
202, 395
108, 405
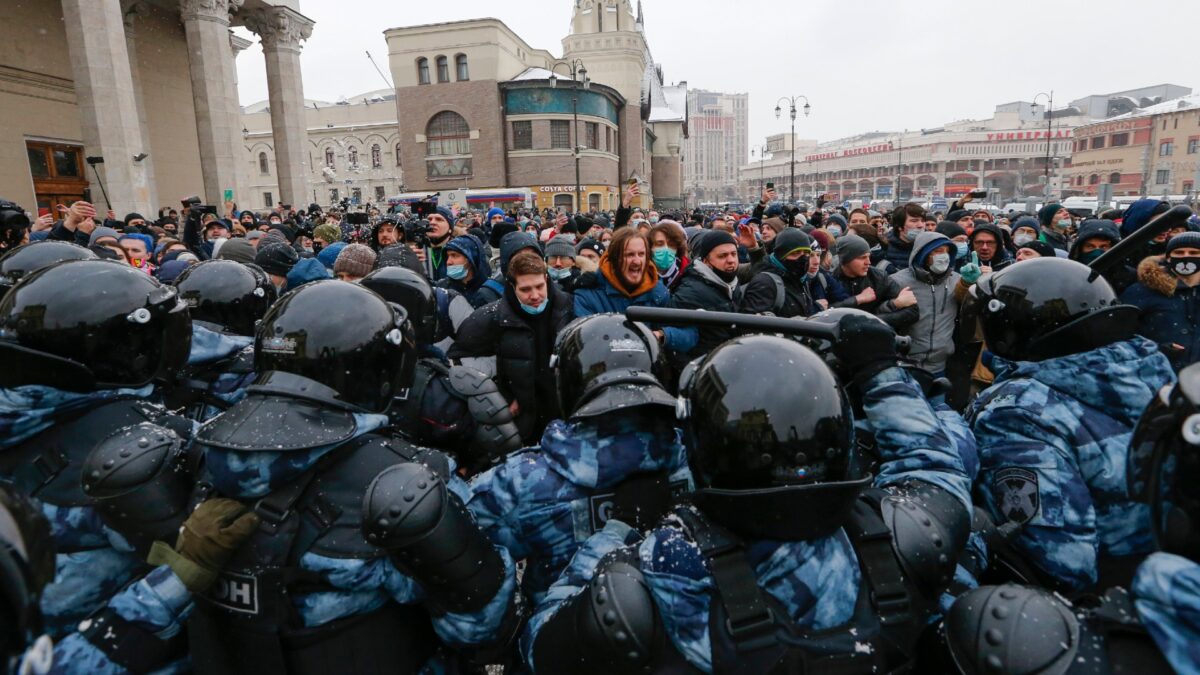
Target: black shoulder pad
277, 423
1011, 630
929, 530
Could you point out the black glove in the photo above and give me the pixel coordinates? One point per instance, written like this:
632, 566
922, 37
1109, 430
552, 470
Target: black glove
865, 346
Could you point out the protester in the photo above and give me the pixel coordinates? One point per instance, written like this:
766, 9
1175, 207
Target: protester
781, 287
468, 272
560, 262
1168, 300
709, 284
931, 277
870, 288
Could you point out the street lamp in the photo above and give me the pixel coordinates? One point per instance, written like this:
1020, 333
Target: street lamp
580, 77
792, 112
1049, 121
761, 151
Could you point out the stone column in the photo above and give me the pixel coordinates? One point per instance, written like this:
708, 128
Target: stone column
242, 194
132, 9
206, 23
281, 30
108, 110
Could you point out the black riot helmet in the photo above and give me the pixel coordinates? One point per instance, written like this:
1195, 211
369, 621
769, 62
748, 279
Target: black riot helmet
343, 336
770, 433
226, 293
140, 480
411, 291
34, 256
14, 223
26, 567
604, 363
82, 325
1050, 307
1163, 469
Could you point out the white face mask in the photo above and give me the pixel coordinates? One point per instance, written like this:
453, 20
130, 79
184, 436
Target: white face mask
940, 263
1022, 239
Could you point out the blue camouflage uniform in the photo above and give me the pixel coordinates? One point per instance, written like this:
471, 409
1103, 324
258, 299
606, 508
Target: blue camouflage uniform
817, 580
100, 561
360, 586
1053, 441
1166, 593
216, 351
539, 503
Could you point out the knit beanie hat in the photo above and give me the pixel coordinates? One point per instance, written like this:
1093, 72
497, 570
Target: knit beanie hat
957, 215
1047, 212
560, 246
102, 232
329, 255
950, 229
1027, 221
851, 246
836, 218
133, 216
237, 250
357, 260
275, 257
1183, 240
709, 241
776, 224
588, 242
330, 233
1045, 250
498, 232
789, 240
822, 238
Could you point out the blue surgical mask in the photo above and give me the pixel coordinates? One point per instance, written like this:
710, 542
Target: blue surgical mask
559, 273
835, 230
663, 258
456, 271
536, 310
911, 235
963, 248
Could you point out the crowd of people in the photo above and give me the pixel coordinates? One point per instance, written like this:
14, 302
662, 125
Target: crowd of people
420, 439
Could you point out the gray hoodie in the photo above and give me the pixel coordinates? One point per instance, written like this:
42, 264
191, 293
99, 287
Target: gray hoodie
933, 333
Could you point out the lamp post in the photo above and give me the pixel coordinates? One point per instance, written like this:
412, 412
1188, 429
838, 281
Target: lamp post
761, 151
577, 71
792, 112
1049, 122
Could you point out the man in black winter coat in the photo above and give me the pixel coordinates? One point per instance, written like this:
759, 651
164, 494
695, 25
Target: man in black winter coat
709, 284
908, 222
781, 284
870, 288
518, 332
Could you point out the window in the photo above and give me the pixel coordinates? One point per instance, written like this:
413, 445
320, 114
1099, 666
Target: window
329, 157
1093, 179
1166, 148
1193, 146
593, 202
443, 67
356, 195
397, 154
1114, 178
268, 200
592, 134
333, 196
264, 167
376, 156
379, 193
522, 135
460, 67
1097, 142
560, 134
1120, 139
352, 157
1162, 177
447, 146
422, 70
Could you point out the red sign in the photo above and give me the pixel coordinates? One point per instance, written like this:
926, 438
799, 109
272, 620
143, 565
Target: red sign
851, 152
1002, 136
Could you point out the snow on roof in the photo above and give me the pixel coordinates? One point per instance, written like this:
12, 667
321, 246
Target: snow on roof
538, 74
1181, 103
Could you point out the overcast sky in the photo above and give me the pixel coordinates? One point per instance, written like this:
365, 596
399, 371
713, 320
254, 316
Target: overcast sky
865, 65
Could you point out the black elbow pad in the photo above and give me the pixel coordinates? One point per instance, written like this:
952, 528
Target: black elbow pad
409, 511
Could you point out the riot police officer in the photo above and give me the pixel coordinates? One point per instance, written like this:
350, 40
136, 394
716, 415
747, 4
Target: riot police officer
1054, 428
787, 560
26, 567
34, 256
82, 343
453, 408
357, 528
617, 450
225, 299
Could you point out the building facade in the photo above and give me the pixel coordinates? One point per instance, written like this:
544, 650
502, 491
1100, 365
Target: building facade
718, 144
148, 87
493, 112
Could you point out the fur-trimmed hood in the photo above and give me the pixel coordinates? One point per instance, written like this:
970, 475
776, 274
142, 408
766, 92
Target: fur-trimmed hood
1154, 276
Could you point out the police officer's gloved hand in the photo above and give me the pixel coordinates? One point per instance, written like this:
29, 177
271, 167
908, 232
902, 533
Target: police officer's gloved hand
207, 541
865, 346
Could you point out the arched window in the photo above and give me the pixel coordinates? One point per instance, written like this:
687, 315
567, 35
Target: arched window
264, 167
329, 157
443, 67
376, 157
1093, 179
422, 70
397, 154
352, 156
460, 68
1114, 178
447, 146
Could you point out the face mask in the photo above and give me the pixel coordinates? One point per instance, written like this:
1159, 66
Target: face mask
536, 310
1090, 256
1022, 239
653, 220
911, 235
1063, 224
664, 258
835, 231
962, 248
523, 222
456, 271
797, 268
1184, 266
569, 236
940, 263
558, 274
727, 277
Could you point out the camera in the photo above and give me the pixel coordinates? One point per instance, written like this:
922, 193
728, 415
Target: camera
423, 208
417, 232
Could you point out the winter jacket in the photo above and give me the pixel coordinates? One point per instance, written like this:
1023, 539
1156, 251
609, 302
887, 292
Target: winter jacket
1170, 311
701, 288
897, 253
306, 270
594, 294
937, 305
777, 292
824, 286
1003, 257
817, 581
886, 290
540, 503
1166, 593
522, 360
481, 289
1053, 441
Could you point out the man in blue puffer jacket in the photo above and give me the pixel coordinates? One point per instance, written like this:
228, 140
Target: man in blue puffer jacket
1167, 295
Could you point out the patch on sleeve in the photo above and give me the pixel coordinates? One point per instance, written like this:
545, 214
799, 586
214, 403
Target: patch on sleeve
1016, 493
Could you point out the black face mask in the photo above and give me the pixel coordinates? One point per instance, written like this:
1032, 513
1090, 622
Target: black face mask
727, 277
797, 268
317, 246
1184, 266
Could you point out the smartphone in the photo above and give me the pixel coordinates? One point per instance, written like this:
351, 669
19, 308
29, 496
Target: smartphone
978, 194
770, 186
